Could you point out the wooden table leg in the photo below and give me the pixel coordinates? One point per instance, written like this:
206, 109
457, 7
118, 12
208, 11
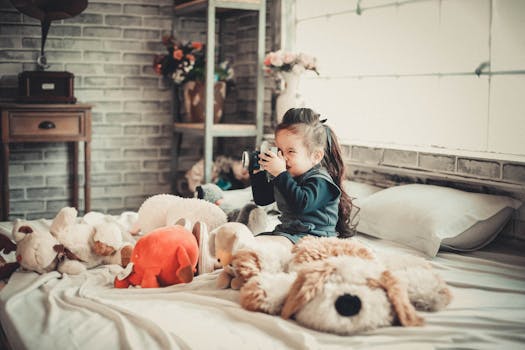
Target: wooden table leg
4, 182
87, 169
74, 169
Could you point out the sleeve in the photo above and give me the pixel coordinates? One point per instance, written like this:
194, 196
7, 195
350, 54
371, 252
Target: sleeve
313, 194
262, 189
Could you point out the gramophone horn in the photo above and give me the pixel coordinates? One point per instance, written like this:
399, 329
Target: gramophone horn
47, 11
50, 10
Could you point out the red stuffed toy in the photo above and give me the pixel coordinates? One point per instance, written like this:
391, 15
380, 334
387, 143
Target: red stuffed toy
165, 256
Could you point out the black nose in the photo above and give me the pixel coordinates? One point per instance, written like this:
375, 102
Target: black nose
348, 305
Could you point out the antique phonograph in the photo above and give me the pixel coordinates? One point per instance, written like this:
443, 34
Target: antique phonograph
41, 86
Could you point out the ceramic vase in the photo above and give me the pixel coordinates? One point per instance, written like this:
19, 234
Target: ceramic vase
289, 96
195, 102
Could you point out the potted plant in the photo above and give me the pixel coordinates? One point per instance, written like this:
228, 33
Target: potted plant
184, 65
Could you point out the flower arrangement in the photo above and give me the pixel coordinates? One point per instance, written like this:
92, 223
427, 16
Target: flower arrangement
185, 61
280, 61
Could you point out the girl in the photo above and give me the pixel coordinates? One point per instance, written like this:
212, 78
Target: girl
307, 180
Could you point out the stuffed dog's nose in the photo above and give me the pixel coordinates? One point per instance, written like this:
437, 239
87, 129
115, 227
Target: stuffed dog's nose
348, 305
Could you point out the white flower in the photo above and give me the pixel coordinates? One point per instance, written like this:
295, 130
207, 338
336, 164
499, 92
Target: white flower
307, 61
297, 69
177, 77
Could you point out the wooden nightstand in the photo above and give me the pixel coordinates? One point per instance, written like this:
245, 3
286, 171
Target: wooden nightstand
45, 123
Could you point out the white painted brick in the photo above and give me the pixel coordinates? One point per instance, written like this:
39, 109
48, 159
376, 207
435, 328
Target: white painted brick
463, 50
506, 118
508, 35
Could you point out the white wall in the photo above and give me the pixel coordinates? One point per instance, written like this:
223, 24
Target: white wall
402, 72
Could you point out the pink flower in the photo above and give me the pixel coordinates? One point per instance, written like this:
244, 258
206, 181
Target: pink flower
289, 57
268, 59
276, 59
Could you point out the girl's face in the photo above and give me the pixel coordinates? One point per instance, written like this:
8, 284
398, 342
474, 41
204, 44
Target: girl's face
298, 159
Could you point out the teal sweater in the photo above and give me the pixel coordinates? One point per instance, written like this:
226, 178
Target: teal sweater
309, 204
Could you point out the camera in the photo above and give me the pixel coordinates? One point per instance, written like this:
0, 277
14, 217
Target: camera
250, 159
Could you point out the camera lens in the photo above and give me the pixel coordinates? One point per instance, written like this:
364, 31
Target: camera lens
245, 160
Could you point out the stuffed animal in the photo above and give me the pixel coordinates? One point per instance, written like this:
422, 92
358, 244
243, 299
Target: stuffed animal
232, 238
36, 250
165, 210
69, 246
340, 286
93, 245
165, 256
223, 242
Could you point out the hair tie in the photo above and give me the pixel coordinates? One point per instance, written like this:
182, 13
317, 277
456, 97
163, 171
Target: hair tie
328, 137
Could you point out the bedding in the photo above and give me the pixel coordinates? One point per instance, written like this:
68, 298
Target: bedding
85, 311
427, 217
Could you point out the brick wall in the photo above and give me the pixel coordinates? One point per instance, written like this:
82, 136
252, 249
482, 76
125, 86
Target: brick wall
388, 167
109, 48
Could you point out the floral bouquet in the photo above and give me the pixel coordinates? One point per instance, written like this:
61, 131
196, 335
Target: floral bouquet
279, 61
186, 62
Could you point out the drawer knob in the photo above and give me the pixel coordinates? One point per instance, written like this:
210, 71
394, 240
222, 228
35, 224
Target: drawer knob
46, 125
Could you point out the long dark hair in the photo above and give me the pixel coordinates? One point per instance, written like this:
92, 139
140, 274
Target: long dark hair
306, 122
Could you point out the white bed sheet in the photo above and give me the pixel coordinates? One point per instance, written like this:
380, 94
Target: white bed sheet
85, 312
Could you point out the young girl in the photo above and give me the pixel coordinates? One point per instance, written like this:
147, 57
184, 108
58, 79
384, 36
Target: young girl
307, 172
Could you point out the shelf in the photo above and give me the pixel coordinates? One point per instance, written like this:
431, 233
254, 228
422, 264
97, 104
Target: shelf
199, 7
218, 130
211, 9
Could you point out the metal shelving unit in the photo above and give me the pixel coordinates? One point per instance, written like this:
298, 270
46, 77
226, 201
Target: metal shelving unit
209, 130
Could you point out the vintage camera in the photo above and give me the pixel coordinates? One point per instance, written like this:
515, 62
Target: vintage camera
250, 159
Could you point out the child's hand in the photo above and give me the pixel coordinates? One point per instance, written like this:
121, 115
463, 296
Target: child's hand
272, 163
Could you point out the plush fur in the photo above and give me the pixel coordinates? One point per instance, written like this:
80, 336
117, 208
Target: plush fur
166, 256
70, 246
165, 209
234, 239
225, 241
340, 286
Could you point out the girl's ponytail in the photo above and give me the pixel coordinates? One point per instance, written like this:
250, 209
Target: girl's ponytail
334, 164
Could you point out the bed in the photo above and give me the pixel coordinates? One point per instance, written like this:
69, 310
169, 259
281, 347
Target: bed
51, 311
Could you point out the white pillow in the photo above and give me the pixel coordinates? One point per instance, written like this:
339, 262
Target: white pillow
425, 217
359, 190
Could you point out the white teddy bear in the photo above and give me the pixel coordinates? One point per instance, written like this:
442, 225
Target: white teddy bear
70, 246
95, 240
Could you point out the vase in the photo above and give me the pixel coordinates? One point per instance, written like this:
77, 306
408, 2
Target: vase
289, 96
194, 93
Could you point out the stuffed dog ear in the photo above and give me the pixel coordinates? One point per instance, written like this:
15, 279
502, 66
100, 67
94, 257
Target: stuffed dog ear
398, 297
20, 230
6, 245
308, 283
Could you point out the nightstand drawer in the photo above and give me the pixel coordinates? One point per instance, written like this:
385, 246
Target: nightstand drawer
40, 124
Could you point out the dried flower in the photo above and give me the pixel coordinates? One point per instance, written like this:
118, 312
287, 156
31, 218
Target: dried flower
185, 62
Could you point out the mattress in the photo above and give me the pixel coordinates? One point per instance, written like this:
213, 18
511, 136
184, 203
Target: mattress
54, 311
